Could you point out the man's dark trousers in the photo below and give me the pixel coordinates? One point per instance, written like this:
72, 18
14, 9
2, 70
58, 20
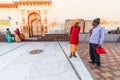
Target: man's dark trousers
93, 54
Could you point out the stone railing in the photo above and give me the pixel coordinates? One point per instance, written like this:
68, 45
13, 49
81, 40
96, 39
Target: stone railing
108, 37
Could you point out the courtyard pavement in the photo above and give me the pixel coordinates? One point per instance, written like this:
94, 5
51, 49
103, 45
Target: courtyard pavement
40, 61
110, 69
50, 61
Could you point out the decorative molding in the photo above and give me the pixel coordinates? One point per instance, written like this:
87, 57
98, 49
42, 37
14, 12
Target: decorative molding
25, 3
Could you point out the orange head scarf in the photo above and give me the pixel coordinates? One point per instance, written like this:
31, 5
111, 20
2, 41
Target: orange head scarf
76, 20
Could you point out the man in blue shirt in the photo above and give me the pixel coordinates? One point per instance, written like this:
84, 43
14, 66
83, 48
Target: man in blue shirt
96, 39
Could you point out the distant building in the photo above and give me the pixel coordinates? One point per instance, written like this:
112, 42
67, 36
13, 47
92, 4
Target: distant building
30, 16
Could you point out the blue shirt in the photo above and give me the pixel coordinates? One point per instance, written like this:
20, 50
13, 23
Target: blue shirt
97, 35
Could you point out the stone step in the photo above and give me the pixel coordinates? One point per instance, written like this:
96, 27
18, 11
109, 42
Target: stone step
54, 37
50, 37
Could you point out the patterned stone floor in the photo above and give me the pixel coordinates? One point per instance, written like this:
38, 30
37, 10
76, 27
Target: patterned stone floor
110, 69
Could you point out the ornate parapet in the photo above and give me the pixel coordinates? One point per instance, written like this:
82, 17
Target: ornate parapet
8, 5
16, 4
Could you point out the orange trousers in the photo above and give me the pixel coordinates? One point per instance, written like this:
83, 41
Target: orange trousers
73, 48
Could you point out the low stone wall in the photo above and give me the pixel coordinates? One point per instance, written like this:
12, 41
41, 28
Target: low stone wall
83, 37
2, 38
108, 37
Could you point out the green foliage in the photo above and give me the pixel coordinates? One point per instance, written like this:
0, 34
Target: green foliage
118, 30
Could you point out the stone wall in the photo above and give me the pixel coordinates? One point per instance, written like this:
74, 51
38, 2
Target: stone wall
108, 37
84, 24
2, 38
83, 37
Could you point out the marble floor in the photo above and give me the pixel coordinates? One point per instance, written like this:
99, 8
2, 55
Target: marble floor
16, 63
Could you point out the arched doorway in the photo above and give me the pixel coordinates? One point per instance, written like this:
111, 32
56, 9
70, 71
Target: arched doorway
35, 25
36, 28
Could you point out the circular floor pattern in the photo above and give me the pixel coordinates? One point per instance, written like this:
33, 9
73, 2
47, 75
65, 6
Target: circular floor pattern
37, 51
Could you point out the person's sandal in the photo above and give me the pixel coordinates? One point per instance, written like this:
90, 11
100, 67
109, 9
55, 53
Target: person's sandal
92, 66
91, 62
74, 55
98, 67
70, 56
